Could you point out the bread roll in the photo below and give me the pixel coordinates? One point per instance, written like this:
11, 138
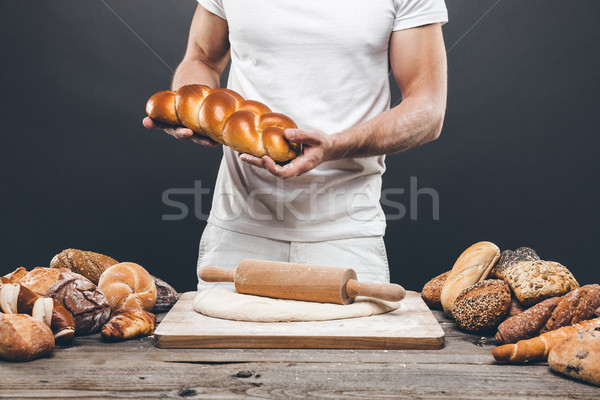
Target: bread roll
432, 291
87, 263
527, 324
508, 258
128, 285
578, 356
23, 338
128, 323
17, 275
166, 296
577, 305
473, 265
534, 281
83, 300
481, 307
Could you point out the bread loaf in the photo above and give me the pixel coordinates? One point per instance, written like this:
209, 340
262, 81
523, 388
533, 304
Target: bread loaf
23, 338
432, 291
128, 323
223, 115
527, 324
166, 296
85, 302
40, 279
508, 258
481, 307
577, 305
534, 281
537, 348
473, 265
578, 355
128, 285
87, 263
17, 275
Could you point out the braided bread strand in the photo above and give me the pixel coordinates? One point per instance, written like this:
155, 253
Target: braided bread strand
246, 126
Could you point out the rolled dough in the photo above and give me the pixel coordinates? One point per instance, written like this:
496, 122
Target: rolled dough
228, 304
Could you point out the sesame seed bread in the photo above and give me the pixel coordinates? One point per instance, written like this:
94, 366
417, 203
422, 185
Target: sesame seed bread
483, 306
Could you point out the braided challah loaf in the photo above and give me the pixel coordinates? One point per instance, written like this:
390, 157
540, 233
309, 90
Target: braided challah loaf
247, 126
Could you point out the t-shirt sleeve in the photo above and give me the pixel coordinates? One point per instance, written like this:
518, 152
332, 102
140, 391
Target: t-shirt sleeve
412, 13
214, 6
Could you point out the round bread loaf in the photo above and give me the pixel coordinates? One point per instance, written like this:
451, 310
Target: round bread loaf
482, 306
578, 355
166, 296
432, 291
23, 338
83, 300
128, 285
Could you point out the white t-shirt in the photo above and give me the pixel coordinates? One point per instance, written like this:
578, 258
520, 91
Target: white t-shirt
324, 63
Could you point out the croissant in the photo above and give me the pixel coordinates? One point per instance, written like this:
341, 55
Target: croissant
128, 323
246, 126
537, 349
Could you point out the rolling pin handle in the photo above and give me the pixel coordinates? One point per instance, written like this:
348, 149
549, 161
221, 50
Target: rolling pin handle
383, 291
215, 274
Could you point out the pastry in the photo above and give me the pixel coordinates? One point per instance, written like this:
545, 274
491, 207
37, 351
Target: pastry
527, 324
578, 305
81, 297
87, 263
578, 355
128, 323
128, 285
166, 296
473, 265
509, 258
534, 281
483, 306
23, 338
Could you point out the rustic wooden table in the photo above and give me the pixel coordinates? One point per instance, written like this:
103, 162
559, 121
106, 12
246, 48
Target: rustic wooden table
464, 369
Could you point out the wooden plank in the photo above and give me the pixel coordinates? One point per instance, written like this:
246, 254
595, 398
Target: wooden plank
413, 326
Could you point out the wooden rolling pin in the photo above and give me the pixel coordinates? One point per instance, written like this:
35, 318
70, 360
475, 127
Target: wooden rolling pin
300, 282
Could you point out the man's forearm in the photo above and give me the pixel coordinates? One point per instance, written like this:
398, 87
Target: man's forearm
414, 122
194, 72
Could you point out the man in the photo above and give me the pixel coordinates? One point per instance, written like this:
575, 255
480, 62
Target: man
324, 63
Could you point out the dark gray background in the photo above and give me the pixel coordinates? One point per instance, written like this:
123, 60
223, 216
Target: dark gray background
516, 164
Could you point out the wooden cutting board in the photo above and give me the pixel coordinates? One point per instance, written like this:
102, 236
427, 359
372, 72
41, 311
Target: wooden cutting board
412, 326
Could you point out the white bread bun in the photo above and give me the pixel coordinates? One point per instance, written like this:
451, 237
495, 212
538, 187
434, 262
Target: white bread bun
473, 266
128, 285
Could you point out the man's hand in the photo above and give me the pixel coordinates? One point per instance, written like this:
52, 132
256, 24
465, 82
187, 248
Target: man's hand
317, 147
179, 132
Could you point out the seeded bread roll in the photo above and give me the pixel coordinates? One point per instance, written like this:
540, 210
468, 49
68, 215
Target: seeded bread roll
534, 281
508, 258
473, 266
433, 289
528, 323
578, 356
482, 306
578, 305
87, 263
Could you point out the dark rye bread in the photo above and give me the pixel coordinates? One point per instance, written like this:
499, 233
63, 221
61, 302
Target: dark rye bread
483, 306
508, 258
432, 290
166, 296
577, 305
527, 324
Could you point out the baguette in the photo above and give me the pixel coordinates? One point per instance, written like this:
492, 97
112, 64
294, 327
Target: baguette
473, 266
537, 349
